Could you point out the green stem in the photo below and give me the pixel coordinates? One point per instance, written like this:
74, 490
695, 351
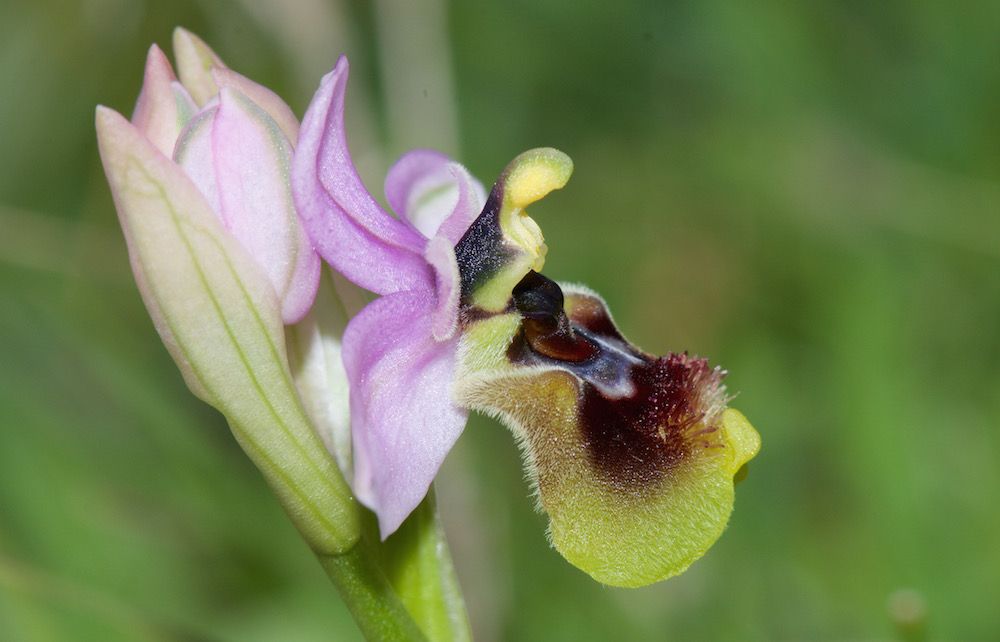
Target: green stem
368, 595
419, 567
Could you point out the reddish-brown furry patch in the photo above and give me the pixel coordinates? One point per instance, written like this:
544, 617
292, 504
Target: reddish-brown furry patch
635, 440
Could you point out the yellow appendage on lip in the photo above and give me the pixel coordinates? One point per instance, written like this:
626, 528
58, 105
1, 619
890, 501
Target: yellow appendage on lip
742, 440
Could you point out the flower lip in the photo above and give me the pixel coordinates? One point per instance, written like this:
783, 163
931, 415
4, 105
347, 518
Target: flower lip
640, 415
631, 456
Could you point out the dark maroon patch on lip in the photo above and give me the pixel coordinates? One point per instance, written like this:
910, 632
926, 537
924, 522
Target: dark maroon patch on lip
639, 415
633, 441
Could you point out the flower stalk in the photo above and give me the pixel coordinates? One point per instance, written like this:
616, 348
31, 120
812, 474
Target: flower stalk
377, 610
419, 567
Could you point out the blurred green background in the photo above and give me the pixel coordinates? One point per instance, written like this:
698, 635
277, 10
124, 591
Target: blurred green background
808, 193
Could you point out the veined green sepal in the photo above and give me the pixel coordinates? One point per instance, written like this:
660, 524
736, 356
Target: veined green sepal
219, 317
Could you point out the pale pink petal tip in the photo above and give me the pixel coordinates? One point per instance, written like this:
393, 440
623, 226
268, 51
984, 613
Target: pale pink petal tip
469, 204
410, 179
261, 95
163, 106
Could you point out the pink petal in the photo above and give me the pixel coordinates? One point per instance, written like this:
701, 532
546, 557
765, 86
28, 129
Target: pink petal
348, 228
252, 158
412, 168
239, 159
193, 152
164, 106
402, 414
262, 96
434, 194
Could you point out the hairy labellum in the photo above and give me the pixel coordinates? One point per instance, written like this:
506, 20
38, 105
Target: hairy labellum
632, 455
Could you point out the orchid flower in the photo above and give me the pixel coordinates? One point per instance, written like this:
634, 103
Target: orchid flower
633, 457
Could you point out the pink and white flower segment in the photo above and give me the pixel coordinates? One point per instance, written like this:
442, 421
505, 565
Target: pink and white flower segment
633, 456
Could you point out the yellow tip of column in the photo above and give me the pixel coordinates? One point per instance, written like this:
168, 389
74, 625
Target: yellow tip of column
534, 174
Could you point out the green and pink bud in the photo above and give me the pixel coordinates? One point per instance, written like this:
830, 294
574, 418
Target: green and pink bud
234, 139
200, 180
